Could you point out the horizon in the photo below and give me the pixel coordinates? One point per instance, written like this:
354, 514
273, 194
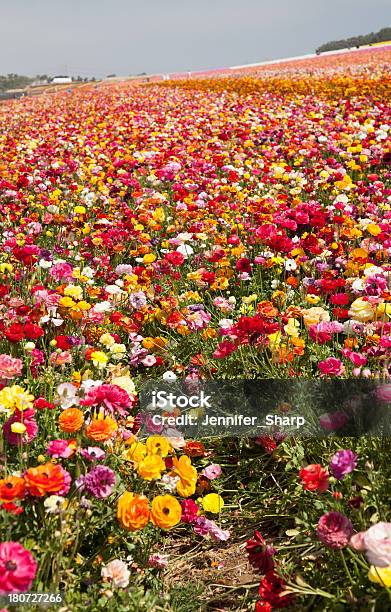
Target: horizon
123, 38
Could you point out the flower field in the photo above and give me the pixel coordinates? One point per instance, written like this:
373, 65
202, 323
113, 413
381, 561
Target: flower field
234, 226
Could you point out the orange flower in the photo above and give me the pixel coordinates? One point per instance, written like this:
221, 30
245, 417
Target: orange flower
46, 478
11, 488
71, 419
266, 309
133, 511
166, 511
194, 449
101, 430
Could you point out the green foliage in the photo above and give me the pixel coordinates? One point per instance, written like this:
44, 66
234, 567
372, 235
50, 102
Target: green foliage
356, 41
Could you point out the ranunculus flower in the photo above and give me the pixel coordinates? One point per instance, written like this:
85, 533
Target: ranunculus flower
343, 462
99, 481
331, 367
314, 477
377, 542
133, 511
47, 478
334, 530
17, 568
117, 573
380, 575
10, 367
166, 511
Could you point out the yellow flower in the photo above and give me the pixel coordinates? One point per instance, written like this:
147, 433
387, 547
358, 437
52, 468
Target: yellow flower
312, 299
158, 445
383, 309
126, 383
74, 291
80, 210
362, 311
136, 452
212, 502
159, 215
99, 359
313, 316
15, 397
18, 428
380, 575
149, 258
107, 340
151, 467
373, 229
67, 302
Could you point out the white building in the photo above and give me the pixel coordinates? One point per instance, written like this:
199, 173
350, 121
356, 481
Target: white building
58, 80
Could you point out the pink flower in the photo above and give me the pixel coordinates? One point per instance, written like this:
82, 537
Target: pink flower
333, 420
59, 359
377, 541
357, 541
158, 561
189, 511
212, 471
61, 448
383, 393
331, 367
10, 367
17, 568
117, 573
334, 530
112, 397
61, 271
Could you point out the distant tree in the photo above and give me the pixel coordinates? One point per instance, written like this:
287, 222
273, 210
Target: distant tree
356, 41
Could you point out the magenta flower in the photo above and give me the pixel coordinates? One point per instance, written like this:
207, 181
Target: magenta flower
17, 568
343, 462
334, 530
189, 511
99, 481
331, 367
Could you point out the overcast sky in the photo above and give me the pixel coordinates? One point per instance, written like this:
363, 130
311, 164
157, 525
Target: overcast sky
98, 37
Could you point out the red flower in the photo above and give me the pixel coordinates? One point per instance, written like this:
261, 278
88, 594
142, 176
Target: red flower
224, 349
14, 333
32, 332
175, 258
314, 477
260, 555
270, 591
268, 443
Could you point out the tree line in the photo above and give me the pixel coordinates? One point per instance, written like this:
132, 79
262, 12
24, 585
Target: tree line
356, 41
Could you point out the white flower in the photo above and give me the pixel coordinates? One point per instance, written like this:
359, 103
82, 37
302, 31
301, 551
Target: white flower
68, 395
169, 375
185, 250
116, 572
45, 264
54, 504
102, 306
113, 290
358, 285
290, 265
175, 438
